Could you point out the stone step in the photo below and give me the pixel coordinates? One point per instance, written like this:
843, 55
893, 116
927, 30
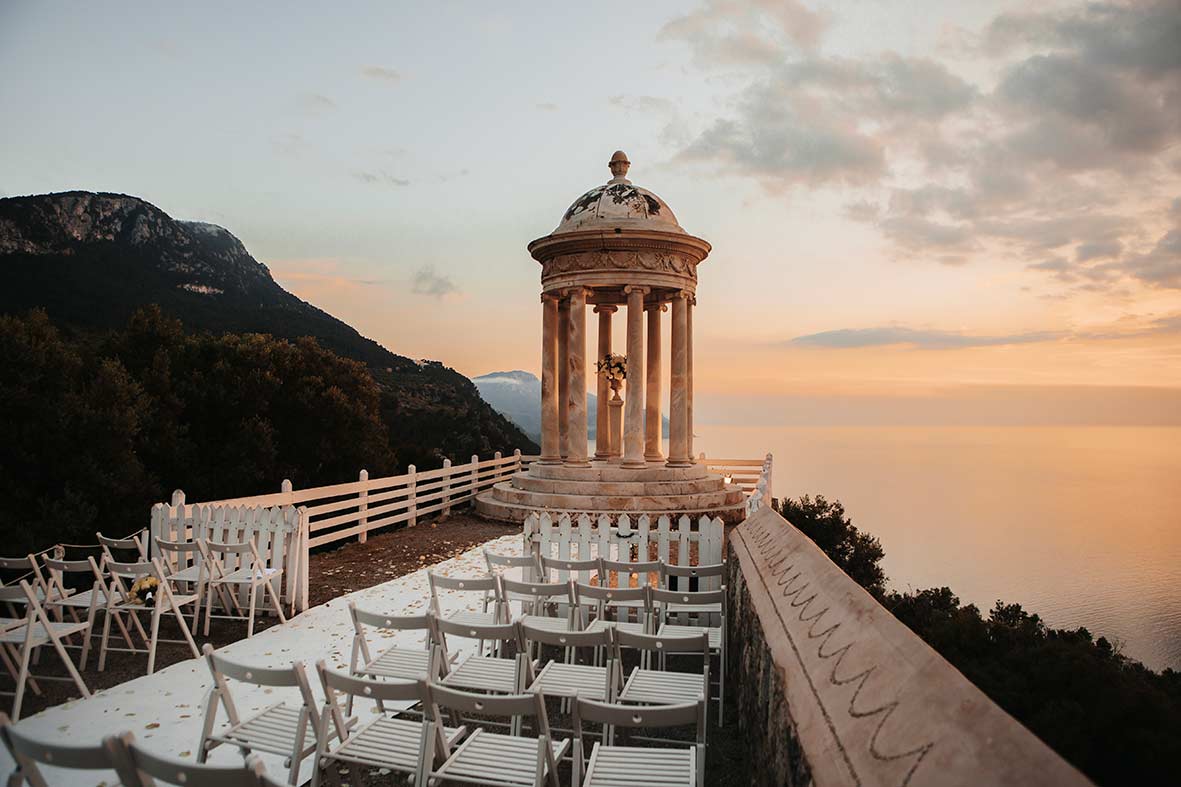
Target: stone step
505, 492
601, 471
490, 508
711, 483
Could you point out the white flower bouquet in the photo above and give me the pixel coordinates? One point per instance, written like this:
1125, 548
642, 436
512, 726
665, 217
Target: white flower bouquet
613, 367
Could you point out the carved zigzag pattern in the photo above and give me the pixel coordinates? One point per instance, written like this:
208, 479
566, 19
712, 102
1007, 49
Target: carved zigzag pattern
811, 613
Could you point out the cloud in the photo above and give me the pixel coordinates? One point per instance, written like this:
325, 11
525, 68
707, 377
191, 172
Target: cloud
923, 339
427, 282
744, 33
380, 177
1131, 326
317, 102
381, 73
546, 106
820, 121
1069, 127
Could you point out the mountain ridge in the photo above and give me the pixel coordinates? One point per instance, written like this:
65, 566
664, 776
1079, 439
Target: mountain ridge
91, 259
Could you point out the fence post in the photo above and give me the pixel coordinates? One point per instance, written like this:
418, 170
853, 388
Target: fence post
516, 460
178, 498
446, 487
475, 476
363, 506
412, 499
496, 469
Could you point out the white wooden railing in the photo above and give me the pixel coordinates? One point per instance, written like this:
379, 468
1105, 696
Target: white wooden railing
356, 508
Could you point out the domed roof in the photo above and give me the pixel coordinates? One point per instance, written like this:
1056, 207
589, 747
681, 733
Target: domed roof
618, 203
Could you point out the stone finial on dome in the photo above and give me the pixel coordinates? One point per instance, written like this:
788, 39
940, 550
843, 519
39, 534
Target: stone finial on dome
619, 166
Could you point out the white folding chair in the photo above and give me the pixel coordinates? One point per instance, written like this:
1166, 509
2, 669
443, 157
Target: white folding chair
702, 605
29, 753
568, 678
185, 564
494, 673
663, 686
639, 766
491, 757
623, 601
501, 565
628, 575
489, 589
138, 767
397, 662
19, 638
542, 599
251, 573
24, 568
165, 600
387, 741
134, 546
290, 730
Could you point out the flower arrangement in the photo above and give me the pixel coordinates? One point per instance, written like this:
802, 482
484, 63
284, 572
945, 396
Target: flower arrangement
613, 367
143, 590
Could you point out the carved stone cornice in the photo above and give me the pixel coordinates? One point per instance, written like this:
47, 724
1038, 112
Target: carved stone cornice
622, 240
623, 261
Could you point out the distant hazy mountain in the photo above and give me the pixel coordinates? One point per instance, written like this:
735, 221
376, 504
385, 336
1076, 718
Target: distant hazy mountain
517, 396
90, 260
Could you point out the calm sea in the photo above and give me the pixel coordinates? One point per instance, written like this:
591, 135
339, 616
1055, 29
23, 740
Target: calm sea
1079, 524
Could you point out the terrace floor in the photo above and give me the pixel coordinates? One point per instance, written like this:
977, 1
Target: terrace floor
164, 710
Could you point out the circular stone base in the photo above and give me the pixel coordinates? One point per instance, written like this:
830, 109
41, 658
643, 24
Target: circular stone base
605, 487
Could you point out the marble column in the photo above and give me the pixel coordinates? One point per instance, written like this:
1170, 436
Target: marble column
653, 420
678, 442
690, 307
563, 376
550, 448
633, 417
603, 446
576, 443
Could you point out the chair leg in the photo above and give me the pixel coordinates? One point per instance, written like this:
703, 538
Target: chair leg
22, 677
155, 637
102, 648
250, 619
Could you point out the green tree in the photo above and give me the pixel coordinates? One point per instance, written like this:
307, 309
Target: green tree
857, 553
68, 438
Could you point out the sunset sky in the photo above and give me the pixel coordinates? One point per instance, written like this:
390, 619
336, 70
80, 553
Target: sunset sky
977, 206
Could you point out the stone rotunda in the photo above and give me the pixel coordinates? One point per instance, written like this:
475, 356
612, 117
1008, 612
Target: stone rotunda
617, 245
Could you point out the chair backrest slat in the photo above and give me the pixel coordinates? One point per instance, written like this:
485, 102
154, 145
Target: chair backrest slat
257, 676
190, 774
502, 632
681, 643
484, 704
568, 639
639, 715
538, 590
389, 622
366, 688
59, 755
689, 596
600, 593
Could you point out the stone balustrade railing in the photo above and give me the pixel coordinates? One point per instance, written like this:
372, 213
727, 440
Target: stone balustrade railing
833, 690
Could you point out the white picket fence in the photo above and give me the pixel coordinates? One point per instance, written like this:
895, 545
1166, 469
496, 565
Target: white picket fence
622, 538
279, 532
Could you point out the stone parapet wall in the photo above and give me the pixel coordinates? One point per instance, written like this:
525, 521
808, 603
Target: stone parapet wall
833, 690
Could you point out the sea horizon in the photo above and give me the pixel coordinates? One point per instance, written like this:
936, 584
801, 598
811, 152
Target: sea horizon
1075, 523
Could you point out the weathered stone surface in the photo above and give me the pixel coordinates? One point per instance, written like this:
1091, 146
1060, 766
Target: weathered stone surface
833, 690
